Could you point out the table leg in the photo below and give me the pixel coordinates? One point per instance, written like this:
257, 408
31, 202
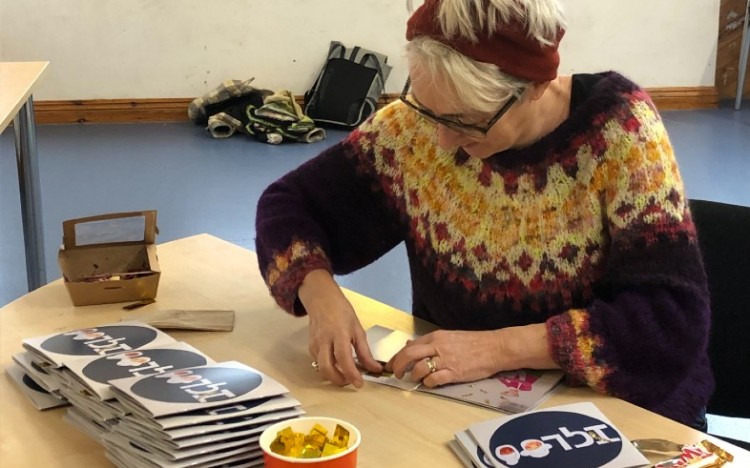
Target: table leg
31, 200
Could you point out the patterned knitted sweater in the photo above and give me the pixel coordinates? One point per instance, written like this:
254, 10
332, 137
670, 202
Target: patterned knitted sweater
587, 230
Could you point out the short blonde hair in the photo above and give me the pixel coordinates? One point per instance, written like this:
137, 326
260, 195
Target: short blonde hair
479, 85
470, 18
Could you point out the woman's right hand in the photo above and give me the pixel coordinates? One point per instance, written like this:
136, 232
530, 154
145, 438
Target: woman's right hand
334, 330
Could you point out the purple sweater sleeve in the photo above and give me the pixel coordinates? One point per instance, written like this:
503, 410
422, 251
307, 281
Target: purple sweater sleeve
645, 340
330, 213
645, 337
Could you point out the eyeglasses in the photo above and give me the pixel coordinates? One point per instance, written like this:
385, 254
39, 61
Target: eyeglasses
471, 130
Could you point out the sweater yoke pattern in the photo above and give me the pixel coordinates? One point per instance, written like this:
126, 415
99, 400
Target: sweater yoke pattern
527, 234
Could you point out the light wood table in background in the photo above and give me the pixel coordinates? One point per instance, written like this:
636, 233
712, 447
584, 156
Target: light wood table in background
17, 80
398, 428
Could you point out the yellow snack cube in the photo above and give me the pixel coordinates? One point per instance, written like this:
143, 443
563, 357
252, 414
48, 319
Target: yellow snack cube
340, 437
310, 452
315, 439
330, 449
283, 442
318, 428
295, 452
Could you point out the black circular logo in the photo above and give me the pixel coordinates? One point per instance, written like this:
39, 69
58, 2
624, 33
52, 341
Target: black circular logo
553, 439
200, 385
102, 340
141, 363
29, 382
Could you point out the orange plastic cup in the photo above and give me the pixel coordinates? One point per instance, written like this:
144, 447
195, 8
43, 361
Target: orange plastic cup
345, 459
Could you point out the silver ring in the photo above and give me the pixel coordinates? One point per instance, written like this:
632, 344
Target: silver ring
431, 364
314, 365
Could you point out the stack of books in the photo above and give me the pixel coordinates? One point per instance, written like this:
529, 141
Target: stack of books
153, 401
577, 435
202, 416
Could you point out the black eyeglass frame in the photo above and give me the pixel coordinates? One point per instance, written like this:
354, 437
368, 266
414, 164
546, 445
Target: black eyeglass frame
460, 127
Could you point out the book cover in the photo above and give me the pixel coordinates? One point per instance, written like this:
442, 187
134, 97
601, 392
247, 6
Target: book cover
58, 349
94, 373
577, 435
194, 388
508, 391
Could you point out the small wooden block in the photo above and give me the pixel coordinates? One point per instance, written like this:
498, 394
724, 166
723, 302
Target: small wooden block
176, 319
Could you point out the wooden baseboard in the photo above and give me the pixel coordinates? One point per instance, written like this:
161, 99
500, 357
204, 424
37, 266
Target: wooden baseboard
175, 109
112, 110
694, 97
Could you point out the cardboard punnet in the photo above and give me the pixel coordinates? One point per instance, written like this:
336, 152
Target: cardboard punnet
110, 258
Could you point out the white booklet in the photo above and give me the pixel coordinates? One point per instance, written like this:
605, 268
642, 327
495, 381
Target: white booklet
190, 434
236, 458
58, 349
130, 455
194, 389
173, 450
36, 372
509, 391
92, 407
41, 398
577, 435
83, 423
154, 452
460, 453
471, 450
218, 413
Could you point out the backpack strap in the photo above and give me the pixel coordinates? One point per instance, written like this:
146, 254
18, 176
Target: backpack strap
367, 57
336, 50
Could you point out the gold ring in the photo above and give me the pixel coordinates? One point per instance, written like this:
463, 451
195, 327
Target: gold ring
315, 366
431, 364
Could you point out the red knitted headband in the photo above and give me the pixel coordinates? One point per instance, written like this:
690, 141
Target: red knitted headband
510, 47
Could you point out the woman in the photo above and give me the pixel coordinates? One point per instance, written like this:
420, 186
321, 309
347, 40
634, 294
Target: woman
544, 218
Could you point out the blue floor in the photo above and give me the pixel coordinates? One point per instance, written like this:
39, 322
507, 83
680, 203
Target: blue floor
202, 185
198, 184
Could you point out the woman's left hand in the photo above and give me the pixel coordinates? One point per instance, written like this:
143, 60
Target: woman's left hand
443, 356
456, 356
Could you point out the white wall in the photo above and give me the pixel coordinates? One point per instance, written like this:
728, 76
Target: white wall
103, 49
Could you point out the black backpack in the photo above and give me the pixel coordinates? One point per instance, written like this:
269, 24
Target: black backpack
348, 87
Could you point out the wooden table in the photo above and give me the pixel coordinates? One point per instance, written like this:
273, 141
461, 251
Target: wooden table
17, 80
398, 428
